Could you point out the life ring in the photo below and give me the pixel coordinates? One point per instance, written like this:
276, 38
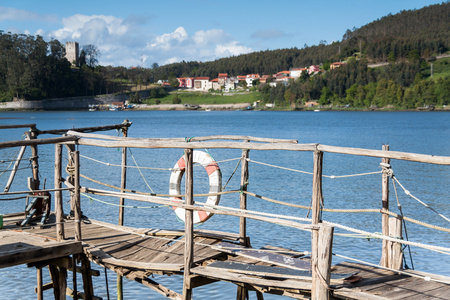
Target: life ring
215, 183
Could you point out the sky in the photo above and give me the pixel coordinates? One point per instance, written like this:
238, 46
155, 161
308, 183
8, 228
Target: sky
142, 32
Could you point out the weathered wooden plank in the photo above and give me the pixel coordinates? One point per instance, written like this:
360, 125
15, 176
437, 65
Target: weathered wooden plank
98, 255
233, 277
17, 126
265, 256
269, 271
20, 248
433, 159
193, 139
35, 142
347, 293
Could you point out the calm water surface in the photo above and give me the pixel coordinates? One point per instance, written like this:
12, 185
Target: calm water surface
417, 132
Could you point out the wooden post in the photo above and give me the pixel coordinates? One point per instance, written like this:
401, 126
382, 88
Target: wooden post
317, 202
243, 198
395, 249
15, 168
40, 291
34, 156
123, 184
242, 292
74, 277
325, 247
87, 278
188, 225
385, 206
58, 194
71, 177
77, 204
62, 282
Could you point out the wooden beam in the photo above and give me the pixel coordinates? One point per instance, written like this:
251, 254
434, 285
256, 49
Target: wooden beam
442, 160
15, 167
193, 139
35, 142
32, 126
86, 129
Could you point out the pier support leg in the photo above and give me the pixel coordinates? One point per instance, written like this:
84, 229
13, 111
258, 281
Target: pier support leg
40, 291
87, 278
59, 280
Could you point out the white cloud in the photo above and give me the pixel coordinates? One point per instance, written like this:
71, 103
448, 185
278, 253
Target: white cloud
168, 41
232, 48
203, 45
125, 42
91, 28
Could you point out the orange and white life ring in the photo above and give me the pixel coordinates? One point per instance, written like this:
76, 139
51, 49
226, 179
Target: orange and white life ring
215, 183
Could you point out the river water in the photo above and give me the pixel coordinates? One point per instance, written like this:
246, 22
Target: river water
417, 132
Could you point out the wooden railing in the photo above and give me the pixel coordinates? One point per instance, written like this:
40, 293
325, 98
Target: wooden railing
321, 234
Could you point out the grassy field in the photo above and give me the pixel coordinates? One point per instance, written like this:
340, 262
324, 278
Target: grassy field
441, 68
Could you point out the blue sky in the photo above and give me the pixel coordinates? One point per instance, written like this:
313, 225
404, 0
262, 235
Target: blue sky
141, 32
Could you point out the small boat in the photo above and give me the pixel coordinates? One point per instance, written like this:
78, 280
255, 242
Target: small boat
316, 110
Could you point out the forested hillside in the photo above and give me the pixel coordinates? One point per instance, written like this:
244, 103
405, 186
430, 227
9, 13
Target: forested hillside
33, 69
426, 31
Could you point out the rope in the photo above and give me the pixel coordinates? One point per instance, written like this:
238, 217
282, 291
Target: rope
377, 236
115, 165
307, 207
389, 269
239, 162
143, 177
417, 199
310, 173
155, 195
118, 205
404, 225
322, 279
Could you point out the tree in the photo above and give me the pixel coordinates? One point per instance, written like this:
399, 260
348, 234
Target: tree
173, 81
92, 53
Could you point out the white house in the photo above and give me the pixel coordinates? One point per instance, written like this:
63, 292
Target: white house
202, 84
296, 72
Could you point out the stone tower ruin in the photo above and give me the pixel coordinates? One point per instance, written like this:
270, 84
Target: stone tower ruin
72, 53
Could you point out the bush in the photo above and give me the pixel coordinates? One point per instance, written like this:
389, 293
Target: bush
176, 100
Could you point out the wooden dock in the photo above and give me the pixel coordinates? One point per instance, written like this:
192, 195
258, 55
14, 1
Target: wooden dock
201, 256
138, 253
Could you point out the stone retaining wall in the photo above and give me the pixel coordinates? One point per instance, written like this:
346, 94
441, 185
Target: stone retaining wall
74, 103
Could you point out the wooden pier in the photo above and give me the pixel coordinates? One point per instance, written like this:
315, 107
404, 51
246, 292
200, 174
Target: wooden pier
202, 257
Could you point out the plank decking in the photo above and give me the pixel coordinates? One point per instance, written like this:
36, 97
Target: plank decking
138, 253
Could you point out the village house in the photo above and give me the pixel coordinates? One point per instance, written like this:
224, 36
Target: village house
215, 84
336, 65
296, 72
202, 84
313, 69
